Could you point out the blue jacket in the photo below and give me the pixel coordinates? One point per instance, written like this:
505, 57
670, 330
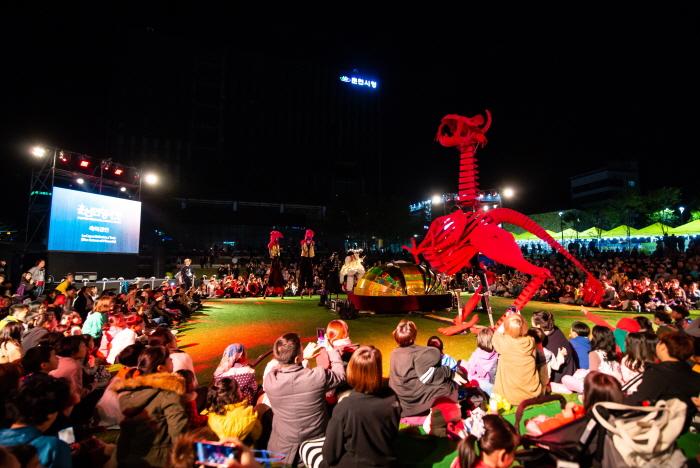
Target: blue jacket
582, 346
53, 452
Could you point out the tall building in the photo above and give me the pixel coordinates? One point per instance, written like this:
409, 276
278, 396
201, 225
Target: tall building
167, 108
234, 125
603, 185
240, 140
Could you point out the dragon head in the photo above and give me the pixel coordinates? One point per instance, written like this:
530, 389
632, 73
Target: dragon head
456, 130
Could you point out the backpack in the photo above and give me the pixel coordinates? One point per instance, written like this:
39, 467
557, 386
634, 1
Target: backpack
640, 436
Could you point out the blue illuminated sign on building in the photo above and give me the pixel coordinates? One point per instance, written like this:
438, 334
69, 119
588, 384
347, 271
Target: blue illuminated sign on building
358, 81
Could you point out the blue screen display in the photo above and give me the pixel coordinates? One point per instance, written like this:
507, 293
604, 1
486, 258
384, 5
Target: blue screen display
86, 222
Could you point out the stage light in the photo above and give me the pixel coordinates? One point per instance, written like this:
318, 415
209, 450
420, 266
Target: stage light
151, 178
62, 156
84, 162
123, 189
508, 192
437, 199
118, 171
38, 151
486, 207
80, 181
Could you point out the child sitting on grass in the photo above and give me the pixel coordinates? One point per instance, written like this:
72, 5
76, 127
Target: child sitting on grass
578, 337
229, 413
483, 362
446, 359
516, 377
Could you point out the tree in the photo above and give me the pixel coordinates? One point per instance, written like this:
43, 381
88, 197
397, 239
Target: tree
658, 204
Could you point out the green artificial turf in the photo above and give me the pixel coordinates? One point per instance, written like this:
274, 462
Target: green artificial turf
256, 323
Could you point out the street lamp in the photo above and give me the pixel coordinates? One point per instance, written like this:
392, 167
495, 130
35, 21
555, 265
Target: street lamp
681, 209
561, 225
438, 199
38, 151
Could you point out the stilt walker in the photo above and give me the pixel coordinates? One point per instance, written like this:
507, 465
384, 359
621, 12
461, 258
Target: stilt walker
275, 284
306, 268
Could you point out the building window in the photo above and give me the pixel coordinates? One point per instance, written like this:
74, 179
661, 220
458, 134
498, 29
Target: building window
630, 183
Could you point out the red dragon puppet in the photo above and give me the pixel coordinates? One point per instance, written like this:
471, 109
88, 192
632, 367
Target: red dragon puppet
455, 240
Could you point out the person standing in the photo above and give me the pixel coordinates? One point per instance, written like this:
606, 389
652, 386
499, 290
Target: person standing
275, 284
38, 273
306, 268
187, 274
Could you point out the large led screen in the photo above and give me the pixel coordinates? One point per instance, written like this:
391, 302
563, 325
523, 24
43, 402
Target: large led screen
85, 222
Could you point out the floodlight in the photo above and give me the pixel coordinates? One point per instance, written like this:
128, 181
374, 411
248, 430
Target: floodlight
84, 162
437, 199
123, 189
38, 151
151, 178
80, 181
508, 192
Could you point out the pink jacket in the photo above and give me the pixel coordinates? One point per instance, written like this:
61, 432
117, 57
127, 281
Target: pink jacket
73, 371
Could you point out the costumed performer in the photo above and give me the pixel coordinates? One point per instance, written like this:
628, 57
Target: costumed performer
275, 284
306, 268
353, 266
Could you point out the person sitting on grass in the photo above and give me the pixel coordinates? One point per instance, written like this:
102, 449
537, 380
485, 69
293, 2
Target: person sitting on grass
517, 378
234, 365
229, 413
578, 337
38, 403
483, 362
297, 395
417, 375
494, 449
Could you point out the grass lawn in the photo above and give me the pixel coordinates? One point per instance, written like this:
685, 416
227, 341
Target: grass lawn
257, 323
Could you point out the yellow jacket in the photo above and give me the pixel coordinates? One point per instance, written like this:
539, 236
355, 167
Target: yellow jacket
240, 420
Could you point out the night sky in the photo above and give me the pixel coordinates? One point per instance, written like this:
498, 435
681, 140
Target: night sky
569, 87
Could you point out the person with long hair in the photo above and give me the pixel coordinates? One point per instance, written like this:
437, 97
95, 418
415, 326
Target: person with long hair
598, 387
495, 448
275, 283
11, 342
602, 358
229, 413
153, 412
635, 358
162, 336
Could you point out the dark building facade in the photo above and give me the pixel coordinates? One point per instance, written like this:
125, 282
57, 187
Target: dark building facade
233, 125
605, 184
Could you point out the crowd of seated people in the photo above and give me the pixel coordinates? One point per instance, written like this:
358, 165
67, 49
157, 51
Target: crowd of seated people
54, 361
667, 281
250, 280
339, 412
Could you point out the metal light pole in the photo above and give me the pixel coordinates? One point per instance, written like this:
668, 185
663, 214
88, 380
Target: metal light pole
561, 226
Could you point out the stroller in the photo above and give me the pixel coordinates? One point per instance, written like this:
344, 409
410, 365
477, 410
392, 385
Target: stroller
612, 435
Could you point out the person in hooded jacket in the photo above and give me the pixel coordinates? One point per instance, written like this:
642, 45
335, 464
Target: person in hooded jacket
153, 412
